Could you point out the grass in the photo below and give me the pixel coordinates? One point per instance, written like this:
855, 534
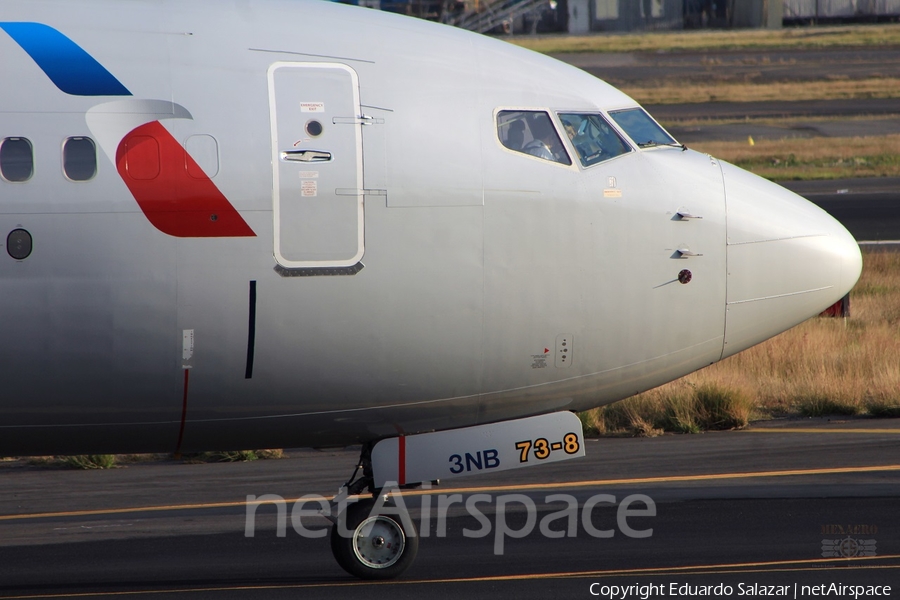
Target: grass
109, 461
821, 367
820, 405
811, 158
665, 41
81, 461
883, 409
90, 461
234, 456
675, 408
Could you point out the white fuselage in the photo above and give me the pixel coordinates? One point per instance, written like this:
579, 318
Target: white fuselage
423, 277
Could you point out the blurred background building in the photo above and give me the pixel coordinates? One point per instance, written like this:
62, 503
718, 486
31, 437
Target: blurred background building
586, 16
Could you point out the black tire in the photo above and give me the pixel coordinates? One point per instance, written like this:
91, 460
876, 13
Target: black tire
376, 555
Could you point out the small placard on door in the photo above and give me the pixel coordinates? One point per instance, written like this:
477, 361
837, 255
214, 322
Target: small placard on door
309, 188
312, 107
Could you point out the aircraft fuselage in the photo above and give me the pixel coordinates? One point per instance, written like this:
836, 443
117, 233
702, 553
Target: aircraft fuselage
304, 230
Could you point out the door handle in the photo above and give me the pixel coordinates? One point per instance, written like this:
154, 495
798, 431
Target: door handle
306, 156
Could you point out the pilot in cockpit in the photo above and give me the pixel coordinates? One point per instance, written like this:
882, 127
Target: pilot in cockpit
576, 129
515, 139
546, 142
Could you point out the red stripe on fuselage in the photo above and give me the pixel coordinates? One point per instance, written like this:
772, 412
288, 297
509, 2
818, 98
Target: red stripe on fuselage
184, 400
401, 459
175, 202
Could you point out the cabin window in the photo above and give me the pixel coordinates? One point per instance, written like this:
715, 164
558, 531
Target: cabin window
645, 132
594, 139
202, 156
16, 159
79, 158
531, 132
142, 157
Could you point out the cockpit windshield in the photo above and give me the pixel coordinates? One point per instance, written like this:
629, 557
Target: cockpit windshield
531, 132
641, 128
593, 138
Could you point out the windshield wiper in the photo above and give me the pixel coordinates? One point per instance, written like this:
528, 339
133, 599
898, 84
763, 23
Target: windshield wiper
652, 144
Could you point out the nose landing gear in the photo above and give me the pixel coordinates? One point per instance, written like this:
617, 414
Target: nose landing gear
368, 539
378, 545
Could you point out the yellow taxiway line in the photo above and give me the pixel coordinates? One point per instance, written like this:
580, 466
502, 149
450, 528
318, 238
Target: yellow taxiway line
800, 565
467, 490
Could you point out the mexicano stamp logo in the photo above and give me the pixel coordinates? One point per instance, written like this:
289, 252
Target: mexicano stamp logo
850, 545
848, 548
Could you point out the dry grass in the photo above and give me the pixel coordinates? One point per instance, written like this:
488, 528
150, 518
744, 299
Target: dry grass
234, 456
664, 92
679, 407
80, 461
812, 158
823, 366
657, 41
109, 461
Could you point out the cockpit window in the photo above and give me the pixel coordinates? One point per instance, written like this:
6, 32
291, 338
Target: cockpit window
531, 132
593, 138
641, 128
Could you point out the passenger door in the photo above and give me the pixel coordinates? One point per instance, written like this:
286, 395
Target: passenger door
317, 165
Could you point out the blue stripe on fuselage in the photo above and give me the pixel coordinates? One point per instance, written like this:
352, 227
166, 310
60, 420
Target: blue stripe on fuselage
68, 66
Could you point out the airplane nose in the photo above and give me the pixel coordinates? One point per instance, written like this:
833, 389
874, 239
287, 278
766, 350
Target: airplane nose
787, 259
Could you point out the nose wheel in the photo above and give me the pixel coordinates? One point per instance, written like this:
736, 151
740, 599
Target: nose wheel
377, 547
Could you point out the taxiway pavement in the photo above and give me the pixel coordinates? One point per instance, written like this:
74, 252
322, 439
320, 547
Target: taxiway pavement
742, 507
868, 208
756, 66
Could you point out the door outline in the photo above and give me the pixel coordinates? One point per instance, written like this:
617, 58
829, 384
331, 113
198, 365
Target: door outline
327, 266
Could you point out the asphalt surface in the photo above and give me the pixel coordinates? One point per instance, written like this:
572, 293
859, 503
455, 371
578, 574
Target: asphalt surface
736, 508
868, 208
757, 66
702, 122
776, 109
697, 132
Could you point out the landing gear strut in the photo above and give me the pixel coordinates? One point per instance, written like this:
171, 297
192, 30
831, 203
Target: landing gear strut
367, 542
